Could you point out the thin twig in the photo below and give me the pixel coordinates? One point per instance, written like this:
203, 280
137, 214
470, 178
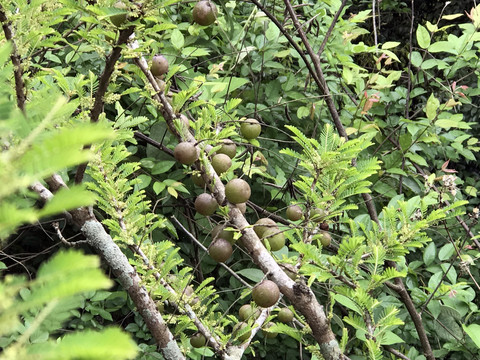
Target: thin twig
103, 86
17, 65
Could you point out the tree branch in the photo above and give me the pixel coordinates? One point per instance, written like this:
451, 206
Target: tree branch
17, 65
300, 295
101, 241
103, 86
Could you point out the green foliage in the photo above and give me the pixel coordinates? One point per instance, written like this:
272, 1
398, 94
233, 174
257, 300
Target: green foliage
407, 112
32, 311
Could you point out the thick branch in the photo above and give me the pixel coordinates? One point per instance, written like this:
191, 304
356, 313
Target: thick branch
17, 65
300, 295
104, 245
404, 296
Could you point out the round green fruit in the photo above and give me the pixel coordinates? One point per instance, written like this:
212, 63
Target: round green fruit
275, 238
325, 239
247, 311
220, 232
198, 180
119, 19
205, 12
238, 328
220, 250
221, 163
318, 215
250, 129
159, 66
186, 153
198, 340
242, 207
294, 213
263, 225
269, 334
266, 293
285, 315
237, 191
206, 204
228, 148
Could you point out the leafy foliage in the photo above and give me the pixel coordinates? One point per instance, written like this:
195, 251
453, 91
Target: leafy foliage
407, 106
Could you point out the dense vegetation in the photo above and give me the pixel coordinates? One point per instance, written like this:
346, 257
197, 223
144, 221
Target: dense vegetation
256, 180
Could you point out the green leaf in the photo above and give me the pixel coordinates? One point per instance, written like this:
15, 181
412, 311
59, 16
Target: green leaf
348, 303
442, 46
111, 343
423, 37
177, 39
446, 252
432, 106
390, 45
416, 59
389, 338
416, 159
252, 274
473, 331
429, 253
67, 199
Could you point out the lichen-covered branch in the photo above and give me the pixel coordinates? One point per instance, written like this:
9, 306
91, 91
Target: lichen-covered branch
300, 295
102, 242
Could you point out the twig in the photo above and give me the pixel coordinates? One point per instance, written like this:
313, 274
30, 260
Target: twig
152, 142
17, 65
330, 29
188, 309
102, 87
397, 353
199, 244
63, 240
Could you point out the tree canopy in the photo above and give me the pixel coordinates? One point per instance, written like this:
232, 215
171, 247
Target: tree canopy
239, 180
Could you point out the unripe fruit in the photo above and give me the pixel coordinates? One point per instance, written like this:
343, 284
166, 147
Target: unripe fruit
269, 334
159, 65
266, 293
237, 191
206, 204
221, 163
246, 311
275, 238
119, 19
285, 315
317, 215
242, 207
198, 180
237, 329
228, 148
204, 13
220, 250
263, 225
325, 239
198, 340
220, 232
186, 153
294, 212
250, 129
188, 294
